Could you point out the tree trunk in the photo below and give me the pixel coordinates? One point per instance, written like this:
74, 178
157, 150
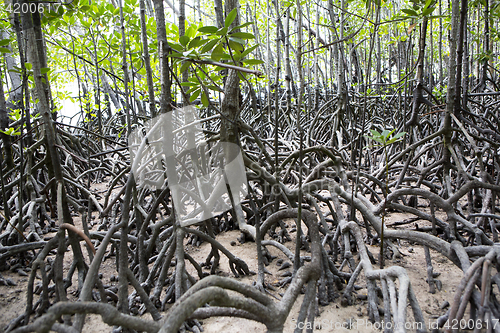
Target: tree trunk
147, 60
4, 124
418, 93
163, 50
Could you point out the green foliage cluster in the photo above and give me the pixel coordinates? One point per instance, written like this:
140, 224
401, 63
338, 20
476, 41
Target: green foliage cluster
385, 138
90, 31
207, 44
83, 33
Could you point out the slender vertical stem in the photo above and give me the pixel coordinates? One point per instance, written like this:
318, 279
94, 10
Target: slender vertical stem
299, 130
6, 141
440, 43
123, 249
147, 59
381, 254
276, 97
182, 32
125, 69
460, 51
288, 67
450, 98
97, 96
163, 50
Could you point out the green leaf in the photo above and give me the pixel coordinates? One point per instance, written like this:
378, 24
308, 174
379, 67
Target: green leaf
215, 88
184, 40
253, 61
29, 66
428, 11
191, 31
217, 53
11, 131
185, 66
437, 16
15, 114
242, 35
216, 77
374, 138
410, 12
209, 46
15, 70
397, 136
391, 141
4, 42
242, 26
247, 51
230, 18
4, 50
7, 131
243, 76
235, 44
196, 42
176, 47
209, 29
221, 31
385, 134
175, 55
204, 99
192, 89
195, 95
237, 40
236, 56
44, 70
375, 133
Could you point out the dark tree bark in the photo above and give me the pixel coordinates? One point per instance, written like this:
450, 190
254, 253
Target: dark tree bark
418, 92
230, 111
219, 13
460, 53
163, 50
41, 89
4, 124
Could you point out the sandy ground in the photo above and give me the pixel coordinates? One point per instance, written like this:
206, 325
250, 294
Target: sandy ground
334, 316
331, 317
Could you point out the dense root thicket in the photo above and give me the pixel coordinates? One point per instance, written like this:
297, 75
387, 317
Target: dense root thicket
335, 156
442, 167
